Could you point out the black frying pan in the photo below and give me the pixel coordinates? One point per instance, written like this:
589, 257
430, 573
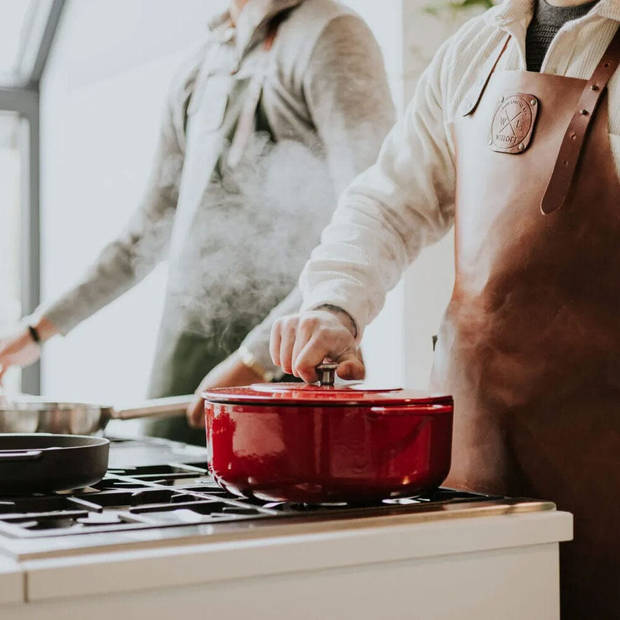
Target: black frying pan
42, 462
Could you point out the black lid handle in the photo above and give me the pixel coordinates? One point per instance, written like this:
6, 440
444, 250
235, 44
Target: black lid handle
327, 373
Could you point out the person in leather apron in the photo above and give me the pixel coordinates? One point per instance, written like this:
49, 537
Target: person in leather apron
258, 137
530, 342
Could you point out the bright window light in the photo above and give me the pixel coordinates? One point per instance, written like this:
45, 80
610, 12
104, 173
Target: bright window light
13, 134
22, 23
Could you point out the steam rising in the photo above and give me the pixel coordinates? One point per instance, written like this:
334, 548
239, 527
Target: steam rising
250, 238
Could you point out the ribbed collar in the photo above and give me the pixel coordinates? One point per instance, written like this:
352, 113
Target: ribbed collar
546, 14
251, 26
510, 11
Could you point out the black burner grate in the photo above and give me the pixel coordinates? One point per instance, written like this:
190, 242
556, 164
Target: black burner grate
157, 496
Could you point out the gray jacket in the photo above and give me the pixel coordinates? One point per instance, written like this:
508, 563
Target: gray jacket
325, 95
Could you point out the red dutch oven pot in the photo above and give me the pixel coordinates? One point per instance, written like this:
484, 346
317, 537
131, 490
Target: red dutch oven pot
327, 443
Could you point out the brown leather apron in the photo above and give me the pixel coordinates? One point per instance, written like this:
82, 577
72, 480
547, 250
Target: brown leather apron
530, 344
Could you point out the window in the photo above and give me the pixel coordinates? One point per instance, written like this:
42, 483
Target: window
22, 27
13, 150
27, 29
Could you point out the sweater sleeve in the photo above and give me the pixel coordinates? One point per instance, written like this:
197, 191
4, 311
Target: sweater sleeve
347, 93
130, 257
388, 214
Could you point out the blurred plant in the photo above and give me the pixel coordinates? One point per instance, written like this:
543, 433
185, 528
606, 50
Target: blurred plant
457, 5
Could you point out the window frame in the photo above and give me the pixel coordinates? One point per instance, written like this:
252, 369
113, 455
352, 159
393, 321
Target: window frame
24, 100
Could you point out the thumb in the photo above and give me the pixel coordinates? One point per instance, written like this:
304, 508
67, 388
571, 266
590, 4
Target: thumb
350, 366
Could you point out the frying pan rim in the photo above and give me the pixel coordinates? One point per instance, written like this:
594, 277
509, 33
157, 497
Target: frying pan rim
93, 441
48, 404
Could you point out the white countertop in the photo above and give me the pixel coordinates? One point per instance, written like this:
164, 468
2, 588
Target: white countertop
12, 581
334, 545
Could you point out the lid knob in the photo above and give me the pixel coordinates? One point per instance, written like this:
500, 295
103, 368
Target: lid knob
327, 373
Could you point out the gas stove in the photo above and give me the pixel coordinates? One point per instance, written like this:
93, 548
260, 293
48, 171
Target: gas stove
157, 493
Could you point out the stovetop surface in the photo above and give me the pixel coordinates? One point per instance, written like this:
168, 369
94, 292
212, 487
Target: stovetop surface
159, 492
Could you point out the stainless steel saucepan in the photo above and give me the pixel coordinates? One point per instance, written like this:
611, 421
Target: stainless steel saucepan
35, 414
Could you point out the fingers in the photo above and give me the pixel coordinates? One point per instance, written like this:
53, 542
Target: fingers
275, 340
300, 342
332, 342
314, 341
195, 413
306, 328
20, 350
351, 369
287, 342
5, 361
307, 361
288, 337
351, 365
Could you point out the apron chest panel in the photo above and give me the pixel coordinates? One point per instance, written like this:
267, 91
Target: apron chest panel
529, 343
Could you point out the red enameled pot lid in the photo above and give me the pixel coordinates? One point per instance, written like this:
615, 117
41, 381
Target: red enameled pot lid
312, 394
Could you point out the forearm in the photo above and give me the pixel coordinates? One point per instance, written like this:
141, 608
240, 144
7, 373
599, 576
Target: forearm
388, 214
119, 266
362, 254
44, 329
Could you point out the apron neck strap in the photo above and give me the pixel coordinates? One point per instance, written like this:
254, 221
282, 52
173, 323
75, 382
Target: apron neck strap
576, 132
271, 34
246, 122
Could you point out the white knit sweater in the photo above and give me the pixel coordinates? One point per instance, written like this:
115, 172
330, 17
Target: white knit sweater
406, 200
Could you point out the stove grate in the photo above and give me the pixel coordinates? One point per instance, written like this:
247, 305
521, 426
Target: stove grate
156, 496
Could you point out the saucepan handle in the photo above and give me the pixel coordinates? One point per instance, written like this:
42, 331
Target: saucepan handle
20, 455
157, 407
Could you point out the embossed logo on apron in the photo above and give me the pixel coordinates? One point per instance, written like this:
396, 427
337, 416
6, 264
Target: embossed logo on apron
513, 123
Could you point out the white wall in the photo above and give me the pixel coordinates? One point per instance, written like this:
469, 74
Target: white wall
102, 99
13, 141
383, 345
398, 345
427, 284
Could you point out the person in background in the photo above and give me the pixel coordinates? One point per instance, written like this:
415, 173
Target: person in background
513, 135
285, 103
